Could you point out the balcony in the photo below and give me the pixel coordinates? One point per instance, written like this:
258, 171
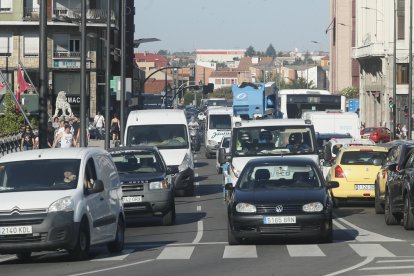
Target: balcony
66, 55
70, 15
369, 50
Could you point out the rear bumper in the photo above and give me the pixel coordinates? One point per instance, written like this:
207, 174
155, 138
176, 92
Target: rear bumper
347, 190
154, 203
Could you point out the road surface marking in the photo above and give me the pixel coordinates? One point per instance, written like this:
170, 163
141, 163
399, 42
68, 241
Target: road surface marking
9, 257
195, 161
111, 268
197, 183
196, 175
176, 253
198, 196
367, 236
240, 252
198, 208
200, 229
198, 243
338, 225
371, 250
396, 261
311, 250
388, 268
106, 257
365, 262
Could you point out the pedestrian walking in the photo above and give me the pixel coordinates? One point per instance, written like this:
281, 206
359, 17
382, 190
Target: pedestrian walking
27, 139
115, 128
99, 123
404, 132
66, 138
398, 132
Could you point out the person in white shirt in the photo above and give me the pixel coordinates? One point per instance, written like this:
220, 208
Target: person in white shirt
65, 138
99, 123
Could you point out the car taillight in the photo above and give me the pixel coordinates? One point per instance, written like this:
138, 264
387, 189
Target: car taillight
339, 173
384, 174
374, 134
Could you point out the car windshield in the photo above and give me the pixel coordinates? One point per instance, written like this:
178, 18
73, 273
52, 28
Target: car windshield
363, 157
369, 129
265, 177
39, 175
137, 162
220, 122
161, 136
273, 140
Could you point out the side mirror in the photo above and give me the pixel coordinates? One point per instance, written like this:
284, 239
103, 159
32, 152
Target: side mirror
377, 162
332, 184
229, 187
222, 156
172, 170
336, 148
98, 187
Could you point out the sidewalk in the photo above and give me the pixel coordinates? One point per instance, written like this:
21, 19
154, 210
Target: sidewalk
97, 143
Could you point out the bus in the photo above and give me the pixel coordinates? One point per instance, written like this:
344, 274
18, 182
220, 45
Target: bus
255, 99
294, 102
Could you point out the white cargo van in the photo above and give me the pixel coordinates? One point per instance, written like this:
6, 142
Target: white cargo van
218, 124
166, 129
334, 122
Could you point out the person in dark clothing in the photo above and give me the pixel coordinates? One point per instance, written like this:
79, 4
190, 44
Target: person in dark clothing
28, 139
50, 135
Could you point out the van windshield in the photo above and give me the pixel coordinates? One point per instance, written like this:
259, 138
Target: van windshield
220, 122
161, 136
39, 175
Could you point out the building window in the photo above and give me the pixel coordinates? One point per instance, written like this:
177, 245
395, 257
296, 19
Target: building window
74, 46
402, 73
31, 45
5, 5
217, 81
6, 44
401, 19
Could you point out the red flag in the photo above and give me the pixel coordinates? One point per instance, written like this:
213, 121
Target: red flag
2, 85
23, 85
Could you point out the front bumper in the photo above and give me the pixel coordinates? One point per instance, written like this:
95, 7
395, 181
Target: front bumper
154, 203
184, 180
212, 149
50, 232
248, 226
347, 190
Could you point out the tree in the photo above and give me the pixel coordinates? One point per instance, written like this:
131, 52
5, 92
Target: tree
270, 51
350, 92
11, 122
299, 83
224, 92
163, 52
250, 52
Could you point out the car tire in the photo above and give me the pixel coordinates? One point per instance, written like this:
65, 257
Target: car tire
390, 218
174, 214
230, 236
24, 256
379, 208
327, 235
118, 244
208, 154
190, 191
81, 249
408, 218
337, 202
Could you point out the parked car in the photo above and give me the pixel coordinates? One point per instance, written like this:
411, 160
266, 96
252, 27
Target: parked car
397, 153
60, 199
225, 143
146, 182
376, 134
399, 194
356, 168
280, 196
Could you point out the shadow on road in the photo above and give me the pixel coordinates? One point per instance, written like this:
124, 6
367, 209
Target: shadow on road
182, 218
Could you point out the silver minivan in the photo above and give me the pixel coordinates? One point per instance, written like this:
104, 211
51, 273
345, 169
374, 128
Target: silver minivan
60, 199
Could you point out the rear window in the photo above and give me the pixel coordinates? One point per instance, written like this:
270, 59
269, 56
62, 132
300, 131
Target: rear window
137, 162
361, 157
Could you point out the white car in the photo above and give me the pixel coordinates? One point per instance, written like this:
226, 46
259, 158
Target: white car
60, 199
225, 143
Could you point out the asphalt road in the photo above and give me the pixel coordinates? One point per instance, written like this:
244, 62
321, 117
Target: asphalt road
197, 245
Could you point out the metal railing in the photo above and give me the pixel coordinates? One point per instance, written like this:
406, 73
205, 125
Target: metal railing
9, 144
69, 15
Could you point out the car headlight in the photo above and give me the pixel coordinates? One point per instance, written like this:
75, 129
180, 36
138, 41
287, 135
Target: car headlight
62, 205
212, 143
245, 208
187, 163
312, 207
158, 185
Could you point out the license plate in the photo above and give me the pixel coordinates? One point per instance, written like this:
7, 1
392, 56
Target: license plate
132, 199
279, 220
15, 230
364, 187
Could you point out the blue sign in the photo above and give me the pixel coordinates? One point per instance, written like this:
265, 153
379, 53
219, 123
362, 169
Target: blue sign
353, 105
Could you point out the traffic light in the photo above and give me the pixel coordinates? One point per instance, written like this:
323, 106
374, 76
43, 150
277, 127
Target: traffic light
209, 88
405, 111
390, 102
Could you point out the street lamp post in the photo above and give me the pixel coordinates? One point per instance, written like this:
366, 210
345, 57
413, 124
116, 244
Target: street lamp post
123, 50
410, 74
83, 77
108, 75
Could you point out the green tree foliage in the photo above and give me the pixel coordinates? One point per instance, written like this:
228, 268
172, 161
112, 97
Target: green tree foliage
11, 122
224, 92
250, 52
163, 52
189, 97
270, 51
350, 92
299, 83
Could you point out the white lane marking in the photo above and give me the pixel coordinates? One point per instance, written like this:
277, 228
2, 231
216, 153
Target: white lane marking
365, 262
396, 261
195, 156
198, 243
106, 257
197, 196
8, 258
177, 253
196, 168
371, 250
239, 251
197, 183
388, 267
196, 175
311, 250
404, 274
111, 268
338, 225
368, 236
200, 229
198, 208
195, 161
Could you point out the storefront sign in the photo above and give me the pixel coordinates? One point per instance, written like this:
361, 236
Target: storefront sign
73, 99
69, 64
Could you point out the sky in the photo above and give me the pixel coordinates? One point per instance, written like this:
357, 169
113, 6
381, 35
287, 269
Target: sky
186, 25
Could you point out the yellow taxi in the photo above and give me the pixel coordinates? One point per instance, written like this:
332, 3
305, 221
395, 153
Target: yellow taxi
356, 169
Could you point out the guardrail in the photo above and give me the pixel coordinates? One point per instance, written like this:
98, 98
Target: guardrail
9, 144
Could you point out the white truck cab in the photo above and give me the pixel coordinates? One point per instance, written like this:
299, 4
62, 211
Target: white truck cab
218, 124
166, 129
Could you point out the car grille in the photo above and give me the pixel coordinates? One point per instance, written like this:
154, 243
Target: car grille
291, 229
23, 238
271, 209
23, 212
21, 222
132, 188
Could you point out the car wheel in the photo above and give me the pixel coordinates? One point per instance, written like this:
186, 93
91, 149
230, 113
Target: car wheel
174, 214
390, 218
118, 244
408, 218
208, 154
167, 218
327, 235
81, 249
379, 208
190, 191
337, 202
24, 256
230, 236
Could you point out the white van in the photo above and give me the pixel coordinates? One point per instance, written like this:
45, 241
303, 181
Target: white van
218, 124
335, 121
60, 199
166, 129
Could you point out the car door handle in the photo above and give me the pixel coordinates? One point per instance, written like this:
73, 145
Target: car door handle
101, 199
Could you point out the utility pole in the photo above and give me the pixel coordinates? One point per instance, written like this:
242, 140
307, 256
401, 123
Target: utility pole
410, 75
394, 80
44, 77
83, 125
123, 50
108, 76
